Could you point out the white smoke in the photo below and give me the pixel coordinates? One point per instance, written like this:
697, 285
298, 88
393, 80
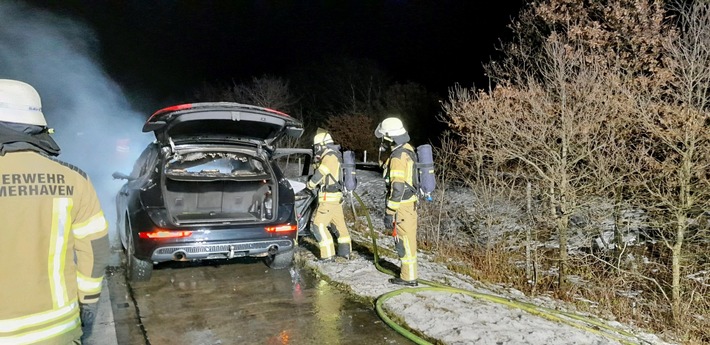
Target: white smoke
93, 121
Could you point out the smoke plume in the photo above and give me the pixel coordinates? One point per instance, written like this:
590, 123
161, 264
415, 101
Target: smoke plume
93, 121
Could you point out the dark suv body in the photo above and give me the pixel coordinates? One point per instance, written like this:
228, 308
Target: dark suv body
212, 186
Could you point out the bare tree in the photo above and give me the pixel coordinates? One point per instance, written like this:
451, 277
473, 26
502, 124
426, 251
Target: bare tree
264, 91
674, 154
629, 33
607, 102
555, 128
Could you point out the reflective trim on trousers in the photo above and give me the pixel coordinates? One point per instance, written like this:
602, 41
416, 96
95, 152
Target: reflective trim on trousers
409, 261
327, 248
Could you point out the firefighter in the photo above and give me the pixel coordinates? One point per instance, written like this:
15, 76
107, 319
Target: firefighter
401, 197
329, 219
53, 234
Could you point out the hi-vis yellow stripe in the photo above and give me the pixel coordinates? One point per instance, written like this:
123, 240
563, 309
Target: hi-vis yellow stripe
61, 221
326, 243
332, 197
42, 334
397, 173
409, 258
16, 324
324, 169
94, 225
87, 284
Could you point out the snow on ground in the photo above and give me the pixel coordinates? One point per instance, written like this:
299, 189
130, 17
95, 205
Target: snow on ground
452, 317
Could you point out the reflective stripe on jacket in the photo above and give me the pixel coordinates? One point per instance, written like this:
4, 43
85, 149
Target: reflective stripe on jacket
399, 177
54, 240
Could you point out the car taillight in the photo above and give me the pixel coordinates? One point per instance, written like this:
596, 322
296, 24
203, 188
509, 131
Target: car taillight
277, 112
171, 109
165, 234
282, 228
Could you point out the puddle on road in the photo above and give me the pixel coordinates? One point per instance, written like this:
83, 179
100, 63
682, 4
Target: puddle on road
245, 302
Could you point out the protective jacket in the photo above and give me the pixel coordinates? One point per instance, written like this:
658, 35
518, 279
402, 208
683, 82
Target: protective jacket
54, 241
399, 177
327, 176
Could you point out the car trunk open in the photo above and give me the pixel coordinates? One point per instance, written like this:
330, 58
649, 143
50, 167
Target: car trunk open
218, 187
237, 121
219, 201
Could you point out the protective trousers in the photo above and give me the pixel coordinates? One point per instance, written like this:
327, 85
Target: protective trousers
331, 213
406, 239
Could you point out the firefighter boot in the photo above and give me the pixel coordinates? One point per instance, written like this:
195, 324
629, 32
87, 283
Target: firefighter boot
400, 281
343, 250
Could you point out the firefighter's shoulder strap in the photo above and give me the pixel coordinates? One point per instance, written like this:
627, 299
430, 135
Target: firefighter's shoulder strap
332, 183
409, 151
347, 179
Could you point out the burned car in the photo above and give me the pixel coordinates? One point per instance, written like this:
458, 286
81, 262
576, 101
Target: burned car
213, 186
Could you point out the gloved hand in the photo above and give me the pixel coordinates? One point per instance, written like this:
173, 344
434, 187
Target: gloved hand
88, 315
389, 221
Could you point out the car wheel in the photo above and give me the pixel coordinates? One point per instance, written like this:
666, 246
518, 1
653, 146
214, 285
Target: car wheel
137, 270
280, 260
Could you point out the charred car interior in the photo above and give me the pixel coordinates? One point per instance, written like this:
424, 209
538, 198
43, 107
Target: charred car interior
218, 187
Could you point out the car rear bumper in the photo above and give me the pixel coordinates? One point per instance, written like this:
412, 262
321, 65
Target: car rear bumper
220, 250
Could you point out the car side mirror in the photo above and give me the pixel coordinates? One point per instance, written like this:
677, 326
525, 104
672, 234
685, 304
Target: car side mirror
121, 176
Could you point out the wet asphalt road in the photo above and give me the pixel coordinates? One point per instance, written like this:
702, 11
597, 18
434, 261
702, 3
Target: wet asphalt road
240, 301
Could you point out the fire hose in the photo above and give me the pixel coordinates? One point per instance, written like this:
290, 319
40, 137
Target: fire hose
581, 322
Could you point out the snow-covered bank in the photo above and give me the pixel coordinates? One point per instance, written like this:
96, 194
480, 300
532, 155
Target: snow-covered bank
458, 318
454, 318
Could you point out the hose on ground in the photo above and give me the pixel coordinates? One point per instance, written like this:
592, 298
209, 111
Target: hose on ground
585, 323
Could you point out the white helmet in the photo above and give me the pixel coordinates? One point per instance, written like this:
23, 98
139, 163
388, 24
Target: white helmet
322, 137
20, 103
390, 127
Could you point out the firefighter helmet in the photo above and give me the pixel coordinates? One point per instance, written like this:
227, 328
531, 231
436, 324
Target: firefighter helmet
322, 137
389, 128
20, 103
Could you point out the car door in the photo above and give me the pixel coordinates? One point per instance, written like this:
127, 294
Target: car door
139, 177
297, 165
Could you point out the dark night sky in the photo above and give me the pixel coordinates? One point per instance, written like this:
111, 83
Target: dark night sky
167, 48
102, 66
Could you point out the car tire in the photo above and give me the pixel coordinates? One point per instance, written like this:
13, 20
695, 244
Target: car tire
280, 260
137, 270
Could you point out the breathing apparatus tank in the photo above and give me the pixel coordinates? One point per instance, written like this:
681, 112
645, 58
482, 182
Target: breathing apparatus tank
348, 173
425, 170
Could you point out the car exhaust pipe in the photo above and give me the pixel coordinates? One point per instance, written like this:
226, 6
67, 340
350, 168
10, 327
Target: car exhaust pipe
179, 256
273, 249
